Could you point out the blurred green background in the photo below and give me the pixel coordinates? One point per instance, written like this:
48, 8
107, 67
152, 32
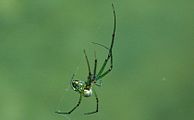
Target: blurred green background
41, 46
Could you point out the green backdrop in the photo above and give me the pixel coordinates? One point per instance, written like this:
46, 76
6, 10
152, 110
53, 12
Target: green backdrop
41, 46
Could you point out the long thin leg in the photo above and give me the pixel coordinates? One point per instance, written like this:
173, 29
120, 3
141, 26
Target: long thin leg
80, 98
95, 65
96, 104
107, 71
72, 80
95, 62
104, 65
100, 45
100, 75
88, 64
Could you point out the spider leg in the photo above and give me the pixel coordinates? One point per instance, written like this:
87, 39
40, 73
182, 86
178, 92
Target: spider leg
96, 104
100, 73
100, 45
95, 65
88, 64
73, 76
80, 98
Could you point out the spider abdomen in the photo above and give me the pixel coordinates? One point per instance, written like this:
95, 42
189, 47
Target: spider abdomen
87, 92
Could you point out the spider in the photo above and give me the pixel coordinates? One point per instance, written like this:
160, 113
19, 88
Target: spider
84, 88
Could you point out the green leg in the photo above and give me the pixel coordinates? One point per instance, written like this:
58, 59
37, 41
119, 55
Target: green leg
101, 74
107, 71
88, 64
100, 45
95, 65
80, 98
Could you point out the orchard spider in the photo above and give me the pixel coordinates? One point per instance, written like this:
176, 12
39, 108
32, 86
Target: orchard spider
84, 88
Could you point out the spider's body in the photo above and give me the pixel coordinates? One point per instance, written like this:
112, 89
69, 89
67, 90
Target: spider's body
84, 88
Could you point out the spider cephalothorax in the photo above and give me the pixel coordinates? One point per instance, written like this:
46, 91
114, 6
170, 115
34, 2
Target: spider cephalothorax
84, 88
